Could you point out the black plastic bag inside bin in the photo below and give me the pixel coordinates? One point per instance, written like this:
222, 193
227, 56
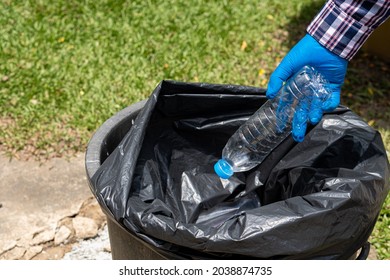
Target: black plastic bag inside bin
318, 199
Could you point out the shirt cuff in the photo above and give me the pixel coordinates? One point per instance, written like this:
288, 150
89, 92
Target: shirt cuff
338, 32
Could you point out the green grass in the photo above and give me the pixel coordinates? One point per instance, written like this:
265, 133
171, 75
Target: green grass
380, 238
66, 66
69, 65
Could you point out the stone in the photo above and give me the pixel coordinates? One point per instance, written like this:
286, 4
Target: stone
52, 253
42, 237
107, 248
8, 246
62, 235
91, 209
68, 222
16, 253
32, 252
25, 240
85, 227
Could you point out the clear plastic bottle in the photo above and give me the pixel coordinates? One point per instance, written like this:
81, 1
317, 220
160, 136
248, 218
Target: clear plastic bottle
273, 122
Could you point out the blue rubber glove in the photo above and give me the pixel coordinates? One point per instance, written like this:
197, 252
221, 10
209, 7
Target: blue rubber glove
309, 52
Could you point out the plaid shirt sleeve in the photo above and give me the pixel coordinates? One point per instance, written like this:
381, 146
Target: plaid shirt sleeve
343, 26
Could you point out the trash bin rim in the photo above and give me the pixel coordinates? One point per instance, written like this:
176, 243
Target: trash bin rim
95, 144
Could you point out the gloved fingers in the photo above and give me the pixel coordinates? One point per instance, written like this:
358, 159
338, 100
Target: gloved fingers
278, 77
315, 111
334, 100
299, 123
274, 85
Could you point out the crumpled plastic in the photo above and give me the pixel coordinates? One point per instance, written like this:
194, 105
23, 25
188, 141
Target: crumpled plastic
318, 199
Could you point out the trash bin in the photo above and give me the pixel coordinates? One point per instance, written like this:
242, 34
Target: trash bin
147, 167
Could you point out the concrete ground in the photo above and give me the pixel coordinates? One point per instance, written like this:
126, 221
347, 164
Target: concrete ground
47, 211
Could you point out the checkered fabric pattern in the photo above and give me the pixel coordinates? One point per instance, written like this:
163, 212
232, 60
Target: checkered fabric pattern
343, 26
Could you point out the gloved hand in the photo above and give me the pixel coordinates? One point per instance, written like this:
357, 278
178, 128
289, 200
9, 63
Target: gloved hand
309, 52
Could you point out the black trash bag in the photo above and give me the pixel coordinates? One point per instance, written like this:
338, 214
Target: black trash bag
318, 199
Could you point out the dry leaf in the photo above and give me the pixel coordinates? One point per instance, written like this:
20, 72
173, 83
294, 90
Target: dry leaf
244, 45
261, 72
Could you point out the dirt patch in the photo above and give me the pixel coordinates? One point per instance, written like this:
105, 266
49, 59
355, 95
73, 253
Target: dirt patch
39, 142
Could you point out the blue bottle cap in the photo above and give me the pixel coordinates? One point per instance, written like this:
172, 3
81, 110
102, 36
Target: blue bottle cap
223, 169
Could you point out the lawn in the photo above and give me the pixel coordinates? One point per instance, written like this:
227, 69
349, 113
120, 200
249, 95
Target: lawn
66, 66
